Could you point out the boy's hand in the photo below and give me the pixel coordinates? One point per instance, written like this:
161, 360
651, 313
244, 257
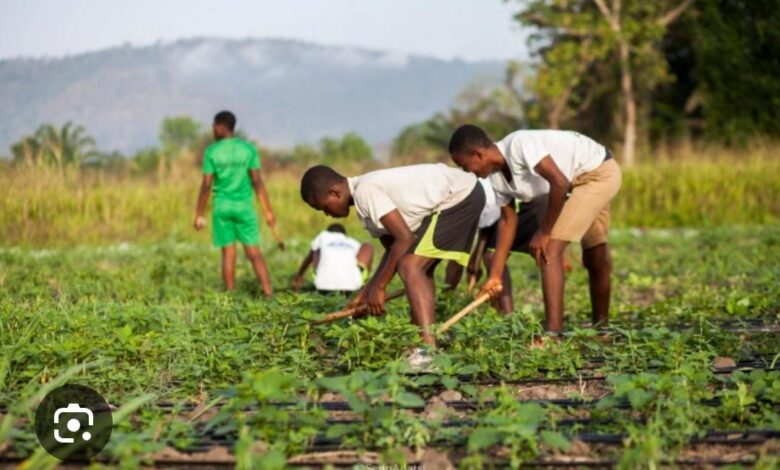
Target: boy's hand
297, 282
538, 247
199, 223
269, 217
493, 287
474, 276
375, 299
357, 300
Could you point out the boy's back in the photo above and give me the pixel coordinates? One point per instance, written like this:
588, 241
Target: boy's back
337, 268
230, 160
415, 190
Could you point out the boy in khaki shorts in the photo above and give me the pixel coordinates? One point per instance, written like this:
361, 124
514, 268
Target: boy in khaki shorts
578, 177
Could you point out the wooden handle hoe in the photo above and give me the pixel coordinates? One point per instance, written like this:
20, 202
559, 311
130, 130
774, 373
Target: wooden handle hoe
466, 310
348, 312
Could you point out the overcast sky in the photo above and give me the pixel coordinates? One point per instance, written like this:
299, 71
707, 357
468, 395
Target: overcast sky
469, 29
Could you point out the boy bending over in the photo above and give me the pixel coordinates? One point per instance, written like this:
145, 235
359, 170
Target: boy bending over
578, 177
340, 263
422, 214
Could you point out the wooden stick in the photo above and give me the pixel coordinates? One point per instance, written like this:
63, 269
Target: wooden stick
348, 312
468, 309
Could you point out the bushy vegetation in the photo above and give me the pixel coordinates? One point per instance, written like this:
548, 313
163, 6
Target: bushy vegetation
149, 327
44, 206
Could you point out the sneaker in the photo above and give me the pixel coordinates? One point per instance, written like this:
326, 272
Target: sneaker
420, 360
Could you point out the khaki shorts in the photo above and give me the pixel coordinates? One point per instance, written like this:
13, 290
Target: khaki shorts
585, 215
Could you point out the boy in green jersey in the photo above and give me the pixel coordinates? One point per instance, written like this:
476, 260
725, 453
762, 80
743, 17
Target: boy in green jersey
232, 166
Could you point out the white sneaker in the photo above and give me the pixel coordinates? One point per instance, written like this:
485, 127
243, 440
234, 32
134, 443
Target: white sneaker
420, 359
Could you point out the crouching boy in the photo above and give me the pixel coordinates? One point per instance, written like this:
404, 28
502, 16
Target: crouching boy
422, 214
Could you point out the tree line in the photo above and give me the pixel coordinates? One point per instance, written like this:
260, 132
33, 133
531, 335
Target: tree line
631, 73
181, 138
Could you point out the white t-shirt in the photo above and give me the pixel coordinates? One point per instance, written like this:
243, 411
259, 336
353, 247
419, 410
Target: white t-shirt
416, 191
492, 211
337, 268
572, 152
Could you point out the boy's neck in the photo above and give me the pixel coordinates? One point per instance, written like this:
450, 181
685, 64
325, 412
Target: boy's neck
349, 193
497, 159
499, 163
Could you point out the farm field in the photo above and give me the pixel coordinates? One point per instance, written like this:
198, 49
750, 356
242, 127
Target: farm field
137, 137
685, 375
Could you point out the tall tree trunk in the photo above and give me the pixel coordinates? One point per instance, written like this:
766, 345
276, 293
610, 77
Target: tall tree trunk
629, 104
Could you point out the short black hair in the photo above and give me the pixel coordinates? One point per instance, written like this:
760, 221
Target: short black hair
226, 118
317, 181
337, 228
467, 138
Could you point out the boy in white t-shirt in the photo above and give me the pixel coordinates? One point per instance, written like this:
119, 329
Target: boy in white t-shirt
421, 214
528, 215
578, 177
340, 263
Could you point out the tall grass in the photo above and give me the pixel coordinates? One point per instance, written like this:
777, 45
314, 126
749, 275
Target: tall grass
43, 207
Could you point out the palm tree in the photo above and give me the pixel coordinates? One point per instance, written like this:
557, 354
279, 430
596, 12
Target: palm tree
68, 145
28, 151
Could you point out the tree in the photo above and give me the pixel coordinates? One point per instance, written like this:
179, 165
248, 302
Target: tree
178, 134
64, 146
497, 108
351, 148
575, 38
735, 49
641, 29
146, 160
28, 151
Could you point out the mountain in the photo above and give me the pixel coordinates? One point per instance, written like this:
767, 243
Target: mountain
282, 91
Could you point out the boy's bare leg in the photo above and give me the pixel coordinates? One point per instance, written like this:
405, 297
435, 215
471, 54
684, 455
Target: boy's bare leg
416, 272
255, 256
229, 266
552, 285
598, 262
452, 275
504, 302
365, 256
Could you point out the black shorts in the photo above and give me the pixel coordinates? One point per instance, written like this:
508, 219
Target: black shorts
527, 225
449, 234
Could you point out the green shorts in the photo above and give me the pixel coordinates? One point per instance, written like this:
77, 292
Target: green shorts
449, 234
233, 221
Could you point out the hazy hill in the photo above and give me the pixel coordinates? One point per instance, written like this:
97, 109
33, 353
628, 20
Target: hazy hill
282, 91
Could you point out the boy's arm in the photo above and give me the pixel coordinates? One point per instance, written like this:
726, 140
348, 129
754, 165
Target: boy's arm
402, 240
203, 199
298, 279
559, 186
507, 225
257, 183
475, 260
359, 299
